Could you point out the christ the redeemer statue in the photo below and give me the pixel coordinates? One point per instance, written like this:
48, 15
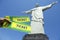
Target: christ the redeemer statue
37, 23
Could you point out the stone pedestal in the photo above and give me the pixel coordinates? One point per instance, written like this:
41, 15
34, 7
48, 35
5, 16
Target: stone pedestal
35, 37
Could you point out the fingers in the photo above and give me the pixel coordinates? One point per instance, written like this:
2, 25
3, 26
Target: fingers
23, 12
4, 19
55, 2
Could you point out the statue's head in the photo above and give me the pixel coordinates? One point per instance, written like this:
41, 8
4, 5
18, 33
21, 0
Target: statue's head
37, 5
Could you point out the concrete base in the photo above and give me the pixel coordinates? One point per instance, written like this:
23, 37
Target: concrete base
35, 37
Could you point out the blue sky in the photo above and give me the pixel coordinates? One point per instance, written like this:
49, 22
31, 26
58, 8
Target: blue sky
15, 8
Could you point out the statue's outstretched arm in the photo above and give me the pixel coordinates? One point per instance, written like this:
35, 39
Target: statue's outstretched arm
29, 11
49, 6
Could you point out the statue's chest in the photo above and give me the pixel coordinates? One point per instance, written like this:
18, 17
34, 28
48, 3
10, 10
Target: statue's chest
38, 10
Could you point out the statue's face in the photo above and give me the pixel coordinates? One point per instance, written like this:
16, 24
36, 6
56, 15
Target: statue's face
37, 5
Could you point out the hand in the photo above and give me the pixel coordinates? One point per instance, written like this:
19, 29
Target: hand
24, 12
55, 2
2, 20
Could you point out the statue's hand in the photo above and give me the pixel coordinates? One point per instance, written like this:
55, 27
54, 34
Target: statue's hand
54, 2
23, 12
